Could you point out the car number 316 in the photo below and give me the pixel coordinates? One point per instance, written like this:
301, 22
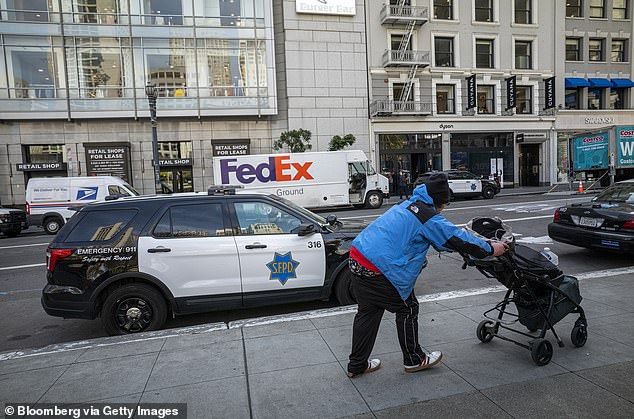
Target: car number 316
314, 245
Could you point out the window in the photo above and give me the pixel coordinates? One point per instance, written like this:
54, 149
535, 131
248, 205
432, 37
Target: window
595, 48
443, 52
484, 53
33, 73
163, 12
396, 40
97, 226
617, 98
595, 98
99, 67
572, 98
573, 49
29, 10
523, 54
523, 13
54, 153
619, 48
597, 8
398, 92
116, 190
574, 8
195, 220
167, 72
105, 12
443, 9
483, 10
619, 9
235, 67
485, 99
172, 150
257, 218
524, 100
445, 98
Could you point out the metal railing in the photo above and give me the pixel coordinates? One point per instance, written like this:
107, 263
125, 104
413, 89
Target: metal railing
391, 12
407, 58
384, 107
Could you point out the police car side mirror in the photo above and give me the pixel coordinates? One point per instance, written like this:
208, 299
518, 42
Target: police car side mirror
331, 219
306, 229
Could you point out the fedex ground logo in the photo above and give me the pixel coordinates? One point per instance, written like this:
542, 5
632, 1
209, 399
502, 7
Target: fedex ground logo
276, 169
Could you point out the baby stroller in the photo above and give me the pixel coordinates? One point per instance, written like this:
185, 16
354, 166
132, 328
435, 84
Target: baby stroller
540, 292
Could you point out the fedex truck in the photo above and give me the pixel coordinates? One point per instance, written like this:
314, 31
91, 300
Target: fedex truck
311, 180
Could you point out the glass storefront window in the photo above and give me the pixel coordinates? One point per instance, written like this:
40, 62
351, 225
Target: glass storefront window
104, 12
32, 73
473, 152
174, 150
617, 98
53, 153
235, 67
29, 10
171, 66
162, 12
237, 13
563, 162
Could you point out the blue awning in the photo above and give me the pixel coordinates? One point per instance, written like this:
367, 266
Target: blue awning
622, 83
600, 83
576, 82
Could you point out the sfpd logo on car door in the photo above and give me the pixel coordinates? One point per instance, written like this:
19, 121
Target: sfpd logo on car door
282, 267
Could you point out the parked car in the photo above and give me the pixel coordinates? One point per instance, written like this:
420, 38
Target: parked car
12, 221
465, 184
134, 261
606, 222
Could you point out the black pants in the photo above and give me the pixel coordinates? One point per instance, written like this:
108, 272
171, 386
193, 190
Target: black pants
374, 296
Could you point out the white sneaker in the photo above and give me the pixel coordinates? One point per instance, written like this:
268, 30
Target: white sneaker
430, 360
373, 365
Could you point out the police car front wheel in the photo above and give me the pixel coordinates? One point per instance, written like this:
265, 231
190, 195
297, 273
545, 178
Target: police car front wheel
133, 308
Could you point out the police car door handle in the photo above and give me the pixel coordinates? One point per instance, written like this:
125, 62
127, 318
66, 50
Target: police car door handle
255, 246
159, 250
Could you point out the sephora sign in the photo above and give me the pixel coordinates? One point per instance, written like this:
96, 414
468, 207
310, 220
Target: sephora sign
326, 7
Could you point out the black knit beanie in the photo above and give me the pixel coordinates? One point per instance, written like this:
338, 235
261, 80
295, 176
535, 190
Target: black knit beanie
438, 188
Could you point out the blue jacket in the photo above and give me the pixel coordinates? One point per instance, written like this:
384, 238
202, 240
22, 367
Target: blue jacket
397, 242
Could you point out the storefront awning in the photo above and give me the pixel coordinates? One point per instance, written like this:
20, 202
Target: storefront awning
622, 83
600, 83
576, 82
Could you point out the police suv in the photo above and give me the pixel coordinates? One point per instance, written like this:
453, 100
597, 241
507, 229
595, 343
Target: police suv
466, 184
135, 261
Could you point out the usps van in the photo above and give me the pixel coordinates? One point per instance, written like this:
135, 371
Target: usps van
311, 180
50, 202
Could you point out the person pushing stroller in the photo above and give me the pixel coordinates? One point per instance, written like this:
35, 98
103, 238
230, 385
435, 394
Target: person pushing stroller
386, 259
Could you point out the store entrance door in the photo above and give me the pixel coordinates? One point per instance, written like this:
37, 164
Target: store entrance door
177, 179
529, 164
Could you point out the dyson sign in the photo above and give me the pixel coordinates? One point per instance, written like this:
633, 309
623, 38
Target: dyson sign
276, 169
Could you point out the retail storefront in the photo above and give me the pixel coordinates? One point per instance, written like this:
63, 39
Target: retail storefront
43, 161
484, 154
175, 160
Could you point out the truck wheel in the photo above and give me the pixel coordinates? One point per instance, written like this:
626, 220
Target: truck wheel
488, 193
133, 308
374, 200
343, 288
52, 225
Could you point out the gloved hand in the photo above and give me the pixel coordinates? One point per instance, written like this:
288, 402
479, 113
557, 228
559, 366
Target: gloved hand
499, 248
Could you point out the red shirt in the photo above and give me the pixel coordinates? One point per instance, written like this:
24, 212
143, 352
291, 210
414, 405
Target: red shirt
361, 260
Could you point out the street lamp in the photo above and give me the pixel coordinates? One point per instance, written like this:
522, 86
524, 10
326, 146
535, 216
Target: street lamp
152, 93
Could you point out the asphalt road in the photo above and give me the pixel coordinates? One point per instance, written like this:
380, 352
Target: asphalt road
25, 325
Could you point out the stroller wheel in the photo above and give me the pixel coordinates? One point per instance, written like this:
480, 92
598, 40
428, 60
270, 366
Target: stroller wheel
485, 331
579, 335
541, 351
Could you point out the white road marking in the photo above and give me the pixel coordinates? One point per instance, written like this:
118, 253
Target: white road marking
24, 245
510, 220
8, 268
534, 240
163, 334
18, 291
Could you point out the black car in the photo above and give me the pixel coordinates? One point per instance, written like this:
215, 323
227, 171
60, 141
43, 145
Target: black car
606, 222
136, 261
465, 184
12, 221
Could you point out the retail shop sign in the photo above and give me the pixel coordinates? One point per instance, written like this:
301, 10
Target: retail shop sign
625, 146
326, 7
39, 167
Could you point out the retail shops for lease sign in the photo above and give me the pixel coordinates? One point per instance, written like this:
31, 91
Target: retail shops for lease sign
110, 159
233, 148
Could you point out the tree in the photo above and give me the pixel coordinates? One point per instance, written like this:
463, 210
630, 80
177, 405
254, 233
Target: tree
338, 143
297, 141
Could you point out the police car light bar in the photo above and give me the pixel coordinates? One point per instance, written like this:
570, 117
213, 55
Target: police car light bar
223, 189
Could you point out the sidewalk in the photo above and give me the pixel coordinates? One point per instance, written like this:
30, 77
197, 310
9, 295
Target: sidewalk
296, 369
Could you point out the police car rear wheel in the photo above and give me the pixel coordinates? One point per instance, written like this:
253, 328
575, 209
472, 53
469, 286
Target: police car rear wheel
133, 308
343, 288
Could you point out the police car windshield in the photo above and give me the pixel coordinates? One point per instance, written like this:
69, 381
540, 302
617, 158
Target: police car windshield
618, 193
303, 211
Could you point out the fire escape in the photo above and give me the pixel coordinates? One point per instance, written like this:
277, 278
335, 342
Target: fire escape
399, 14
